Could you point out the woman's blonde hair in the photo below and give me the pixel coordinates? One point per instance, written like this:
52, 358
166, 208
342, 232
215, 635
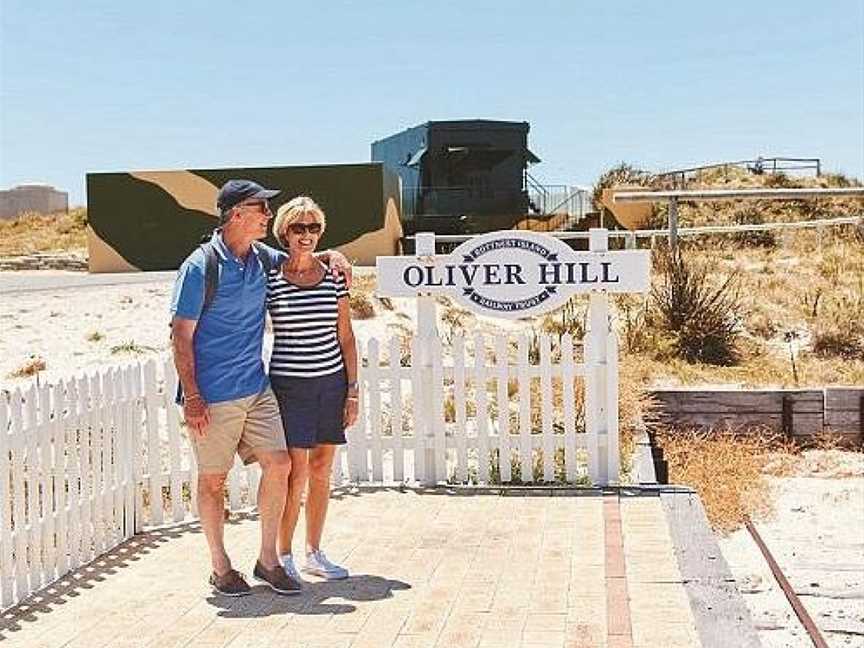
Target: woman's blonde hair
292, 211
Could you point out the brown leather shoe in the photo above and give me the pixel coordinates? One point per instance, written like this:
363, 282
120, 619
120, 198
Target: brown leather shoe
231, 583
276, 578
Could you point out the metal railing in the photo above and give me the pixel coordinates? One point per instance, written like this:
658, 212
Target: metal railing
758, 165
543, 200
549, 199
456, 200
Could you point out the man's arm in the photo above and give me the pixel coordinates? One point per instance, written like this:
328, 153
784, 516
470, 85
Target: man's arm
338, 263
194, 408
182, 334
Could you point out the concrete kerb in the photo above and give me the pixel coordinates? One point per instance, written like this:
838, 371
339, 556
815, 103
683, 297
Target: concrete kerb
644, 471
721, 615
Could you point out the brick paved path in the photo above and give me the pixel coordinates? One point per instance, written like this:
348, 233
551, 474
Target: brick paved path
427, 570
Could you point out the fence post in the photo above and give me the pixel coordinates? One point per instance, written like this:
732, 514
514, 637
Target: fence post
426, 330
596, 344
7, 574
673, 223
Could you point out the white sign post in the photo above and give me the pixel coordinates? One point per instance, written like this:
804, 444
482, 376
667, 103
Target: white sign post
427, 329
513, 274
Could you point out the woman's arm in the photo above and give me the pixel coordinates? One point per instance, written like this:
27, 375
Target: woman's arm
347, 343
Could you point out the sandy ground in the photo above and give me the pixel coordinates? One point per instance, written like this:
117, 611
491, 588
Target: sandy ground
82, 327
86, 326
816, 532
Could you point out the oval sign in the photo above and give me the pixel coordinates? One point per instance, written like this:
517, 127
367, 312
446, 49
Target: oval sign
505, 273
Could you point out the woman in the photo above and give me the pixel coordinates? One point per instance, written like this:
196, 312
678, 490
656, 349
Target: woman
313, 371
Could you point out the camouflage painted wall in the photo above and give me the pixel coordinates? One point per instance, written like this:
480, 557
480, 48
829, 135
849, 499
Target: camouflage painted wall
150, 220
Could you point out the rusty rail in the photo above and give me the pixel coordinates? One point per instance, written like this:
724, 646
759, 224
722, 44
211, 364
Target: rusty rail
800, 611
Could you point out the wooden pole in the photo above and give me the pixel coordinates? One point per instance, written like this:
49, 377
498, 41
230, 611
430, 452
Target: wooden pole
673, 223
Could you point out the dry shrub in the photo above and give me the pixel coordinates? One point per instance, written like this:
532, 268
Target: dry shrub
727, 469
362, 281
30, 368
361, 306
701, 320
630, 176
762, 325
32, 232
405, 351
839, 260
636, 407
95, 336
569, 319
838, 341
620, 175
827, 440
638, 337
839, 327
751, 214
386, 303
779, 180
453, 322
131, 346
727, 212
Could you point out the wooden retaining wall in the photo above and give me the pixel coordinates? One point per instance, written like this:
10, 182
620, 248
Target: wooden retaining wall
796, 412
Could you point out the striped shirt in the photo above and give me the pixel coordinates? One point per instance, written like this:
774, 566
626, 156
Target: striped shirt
305, 343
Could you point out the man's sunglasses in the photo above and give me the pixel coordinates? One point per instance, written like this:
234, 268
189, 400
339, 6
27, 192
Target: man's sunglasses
302, 228
260, 205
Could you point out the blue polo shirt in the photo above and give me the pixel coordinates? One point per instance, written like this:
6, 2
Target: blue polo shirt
230, 332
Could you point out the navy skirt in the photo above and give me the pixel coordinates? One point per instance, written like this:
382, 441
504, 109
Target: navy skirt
312, 409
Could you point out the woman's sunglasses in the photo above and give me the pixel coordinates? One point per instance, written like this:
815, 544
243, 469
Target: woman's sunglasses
302, 228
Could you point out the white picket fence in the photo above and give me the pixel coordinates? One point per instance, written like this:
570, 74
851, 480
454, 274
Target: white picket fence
486, 410
67, 461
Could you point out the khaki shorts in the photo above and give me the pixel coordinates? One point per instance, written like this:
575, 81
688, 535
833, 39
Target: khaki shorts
244, 426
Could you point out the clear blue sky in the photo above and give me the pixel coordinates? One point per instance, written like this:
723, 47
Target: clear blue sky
113, 86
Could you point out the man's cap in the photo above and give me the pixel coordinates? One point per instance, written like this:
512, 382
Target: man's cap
234, 192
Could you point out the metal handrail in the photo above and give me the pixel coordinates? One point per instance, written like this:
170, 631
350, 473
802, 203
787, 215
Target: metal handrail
531, 184
571, 192
815, 163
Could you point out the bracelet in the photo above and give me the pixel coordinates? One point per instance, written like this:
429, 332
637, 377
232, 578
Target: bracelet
353, 385
192, 397
353, 398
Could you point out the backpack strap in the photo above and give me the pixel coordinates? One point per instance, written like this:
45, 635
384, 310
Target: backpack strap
211, 274
211, 283
265, 259
211, 268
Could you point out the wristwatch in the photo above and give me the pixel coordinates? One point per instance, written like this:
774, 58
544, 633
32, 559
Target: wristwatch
353, 385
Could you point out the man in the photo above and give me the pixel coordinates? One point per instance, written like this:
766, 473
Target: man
227, 401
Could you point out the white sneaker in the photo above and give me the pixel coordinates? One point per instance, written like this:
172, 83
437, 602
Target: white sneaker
287, 562
317, 564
